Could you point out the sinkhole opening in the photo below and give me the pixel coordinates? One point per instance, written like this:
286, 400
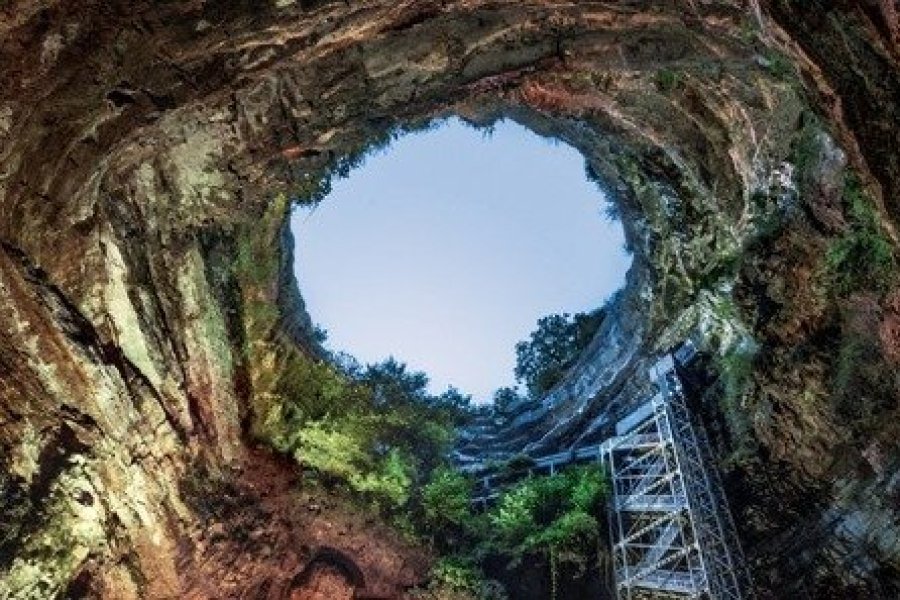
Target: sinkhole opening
445, 250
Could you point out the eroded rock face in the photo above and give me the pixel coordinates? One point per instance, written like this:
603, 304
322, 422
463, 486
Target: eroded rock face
146, 154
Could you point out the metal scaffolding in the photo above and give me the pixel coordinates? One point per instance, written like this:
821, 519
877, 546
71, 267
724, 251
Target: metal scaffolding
672, 533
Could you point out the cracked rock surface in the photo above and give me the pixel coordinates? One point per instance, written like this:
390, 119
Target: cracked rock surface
147, 151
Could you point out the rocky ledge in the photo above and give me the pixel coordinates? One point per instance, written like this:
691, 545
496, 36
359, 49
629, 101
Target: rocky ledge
149, 154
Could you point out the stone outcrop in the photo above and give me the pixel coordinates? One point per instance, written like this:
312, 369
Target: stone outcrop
148, 155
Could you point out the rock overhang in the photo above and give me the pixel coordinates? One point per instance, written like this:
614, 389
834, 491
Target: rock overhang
151, 174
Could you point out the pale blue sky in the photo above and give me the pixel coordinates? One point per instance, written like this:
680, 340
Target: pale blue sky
446, 248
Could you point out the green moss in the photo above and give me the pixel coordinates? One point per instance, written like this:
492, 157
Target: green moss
864, 385
723, 268
778, 65
255, 266
49, 557
667, 80
735, 370
863, 258
807, 147
748, 31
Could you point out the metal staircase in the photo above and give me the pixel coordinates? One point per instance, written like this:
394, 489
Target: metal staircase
672, 534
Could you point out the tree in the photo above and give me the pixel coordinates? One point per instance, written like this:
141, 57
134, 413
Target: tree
392, 383
552, 348
555, 516
456, 403
505, 399
447, 501
410, 418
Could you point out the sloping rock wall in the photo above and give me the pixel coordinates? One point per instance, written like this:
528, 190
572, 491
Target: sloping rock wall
148, 155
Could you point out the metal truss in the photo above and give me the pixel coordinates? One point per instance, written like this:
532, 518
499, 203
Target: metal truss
673, 536
672, 533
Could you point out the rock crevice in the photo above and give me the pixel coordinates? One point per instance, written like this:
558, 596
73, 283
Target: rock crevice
149, 155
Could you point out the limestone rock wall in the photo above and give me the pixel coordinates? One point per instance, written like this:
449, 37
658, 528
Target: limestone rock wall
148, 152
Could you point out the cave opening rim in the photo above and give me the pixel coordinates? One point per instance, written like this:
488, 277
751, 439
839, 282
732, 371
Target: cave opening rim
608, 195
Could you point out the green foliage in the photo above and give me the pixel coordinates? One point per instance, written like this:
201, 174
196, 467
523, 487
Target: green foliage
447, 501
342, 451
256, 268
554, 513
749, 31
863, 258
722, 268
543, 360
735, 377
515, 465
420, 424
611, 209
806, 148
554, 516
864, 385
15, 506
735, 369
455, 578
667, 80
329, 450
514, 518
310, 188
375, 431
391, 383
313, 389
390, 480
506, 399
778, 65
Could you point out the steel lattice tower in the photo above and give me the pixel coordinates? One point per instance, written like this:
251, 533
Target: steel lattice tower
672, 532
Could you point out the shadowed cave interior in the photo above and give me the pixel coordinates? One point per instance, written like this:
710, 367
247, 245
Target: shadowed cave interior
170, 425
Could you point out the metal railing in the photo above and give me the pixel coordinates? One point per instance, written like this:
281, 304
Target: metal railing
672, 535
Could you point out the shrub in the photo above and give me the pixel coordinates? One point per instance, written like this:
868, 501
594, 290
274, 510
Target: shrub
516, 465
559, 504
455, 578
390, 482
807, 148
329, 451
375, 431
313, 389
447, 500
341, 451
505, 400
864, 385
555, 516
